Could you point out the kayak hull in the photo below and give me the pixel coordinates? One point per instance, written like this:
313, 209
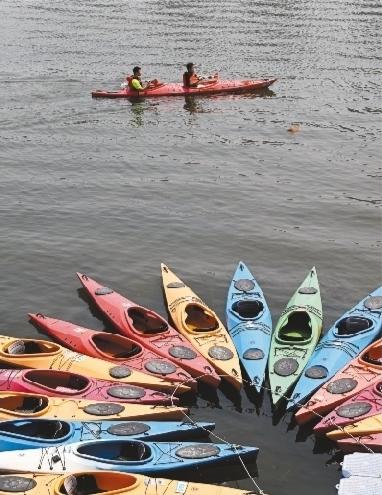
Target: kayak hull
238, 86
361, 443
108, 346
360, 406
18, 405
35, 433
132, 320
249, 324
202, 327
107, 483
295, 337
358, 374
132, 456
338, 346
64, 384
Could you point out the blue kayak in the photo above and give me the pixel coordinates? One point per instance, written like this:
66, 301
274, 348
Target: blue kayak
32, 433
249, 323
349, 335
132, 456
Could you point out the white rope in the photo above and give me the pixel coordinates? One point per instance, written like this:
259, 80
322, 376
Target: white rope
260, 491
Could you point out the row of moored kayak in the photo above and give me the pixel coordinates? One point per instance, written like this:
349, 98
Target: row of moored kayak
101, 401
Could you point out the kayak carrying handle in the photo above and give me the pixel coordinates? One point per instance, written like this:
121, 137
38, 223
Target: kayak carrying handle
40, 315
85, 277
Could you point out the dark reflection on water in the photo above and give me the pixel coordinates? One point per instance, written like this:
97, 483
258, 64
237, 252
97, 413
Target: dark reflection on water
112, 188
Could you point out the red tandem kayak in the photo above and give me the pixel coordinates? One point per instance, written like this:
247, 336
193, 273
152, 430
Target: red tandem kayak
150, 330
54, 383
177, 89
111, 347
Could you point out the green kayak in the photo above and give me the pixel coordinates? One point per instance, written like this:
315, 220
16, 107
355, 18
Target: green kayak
295, 337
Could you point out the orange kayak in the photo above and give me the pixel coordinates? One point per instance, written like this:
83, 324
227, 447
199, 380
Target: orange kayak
18, 405
149, 329
202, 327
361, 372
41, 354
107, 483
111, 347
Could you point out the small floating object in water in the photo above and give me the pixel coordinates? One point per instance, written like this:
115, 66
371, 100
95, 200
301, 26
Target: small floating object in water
295, 127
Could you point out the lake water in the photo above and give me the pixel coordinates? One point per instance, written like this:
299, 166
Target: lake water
112, 188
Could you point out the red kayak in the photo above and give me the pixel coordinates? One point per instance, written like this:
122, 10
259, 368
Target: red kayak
55, 383
359, 444
360, 406
150, 330
110, 347
361, 372
177, 89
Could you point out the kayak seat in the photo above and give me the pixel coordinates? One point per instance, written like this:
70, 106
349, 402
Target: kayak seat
51, 429
146, 322
23, 347
374, 356
116, 346
30, 405
248, 309
86, 484
200, 320
353, 325
133, 452
297, 329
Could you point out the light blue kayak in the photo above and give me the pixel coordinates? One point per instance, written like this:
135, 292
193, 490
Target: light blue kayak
131, 456
349, 335
249, 323
32, 433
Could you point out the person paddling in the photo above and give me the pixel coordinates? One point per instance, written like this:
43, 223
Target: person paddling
192, 80
135, 82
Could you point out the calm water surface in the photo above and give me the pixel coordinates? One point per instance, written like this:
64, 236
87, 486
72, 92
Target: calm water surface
112, 188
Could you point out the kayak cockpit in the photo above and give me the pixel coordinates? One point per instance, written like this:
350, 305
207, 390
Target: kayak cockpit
248, 309
115, 346
97, 482
373, 356
23, 404
116, 451
58, 381
353, 325
200, 319
145, 321
297, 328
36, 430
30, 347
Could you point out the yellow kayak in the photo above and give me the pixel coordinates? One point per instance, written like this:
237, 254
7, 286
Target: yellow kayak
202, 327
18, 405
368, 426
42, 354
107, 483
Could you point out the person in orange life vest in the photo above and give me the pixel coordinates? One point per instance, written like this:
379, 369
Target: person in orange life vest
135, 82
192, 80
